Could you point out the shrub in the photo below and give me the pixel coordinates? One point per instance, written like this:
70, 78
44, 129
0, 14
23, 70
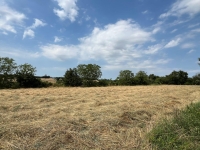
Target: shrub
103, 82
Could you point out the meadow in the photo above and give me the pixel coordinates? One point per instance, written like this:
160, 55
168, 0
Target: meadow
58, 118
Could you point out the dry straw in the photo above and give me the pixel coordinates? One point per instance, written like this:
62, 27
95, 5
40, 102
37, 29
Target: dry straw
87, 118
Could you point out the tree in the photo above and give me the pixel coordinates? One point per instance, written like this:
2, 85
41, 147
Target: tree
196, 79
152, 78
7, 71
126, 77
142, 78
89, 73
71, 78
177, 77
26, 76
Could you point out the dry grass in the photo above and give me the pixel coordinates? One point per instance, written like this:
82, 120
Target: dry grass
51, 80
87, 118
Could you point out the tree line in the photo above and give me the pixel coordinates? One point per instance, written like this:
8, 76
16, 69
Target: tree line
23, 76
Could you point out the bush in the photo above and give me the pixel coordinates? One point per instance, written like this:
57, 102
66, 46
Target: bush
89, 83
141, 78
103, 82
71, 78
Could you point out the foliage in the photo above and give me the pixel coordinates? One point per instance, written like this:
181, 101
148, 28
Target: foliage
7, 71
59, 82
71, 78
46, 76
25, 76
182, 132
152, 78
126, 77
141, 78
177, 77
196, 79
189, 81
89, 72
161, 80
104, 82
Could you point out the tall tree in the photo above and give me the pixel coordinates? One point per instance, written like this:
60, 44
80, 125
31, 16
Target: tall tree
141, 78
7, 71
71, 78
177, 77
26, 76
196, 79
126, 77
89, 73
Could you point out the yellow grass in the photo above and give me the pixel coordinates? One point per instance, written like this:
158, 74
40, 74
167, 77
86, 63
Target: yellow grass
51, 80
87, 118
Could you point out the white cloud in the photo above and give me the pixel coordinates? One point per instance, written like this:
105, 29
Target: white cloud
193, 25
156, 30
191, 51
29, 30
37, 23
87, 18
69, 9
10, 18
157, 27
5, 33
173, 30
58, 52
12, 52
57, 39
196, 30
145, 12
115, 43
188, 45
181, 7
173, 43
137, 65
153, 49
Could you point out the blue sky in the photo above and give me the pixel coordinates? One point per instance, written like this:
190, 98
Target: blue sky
155, 36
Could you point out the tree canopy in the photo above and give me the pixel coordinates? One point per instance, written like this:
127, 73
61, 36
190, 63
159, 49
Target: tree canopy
177, 77
126, 77
25, 76
7, 71
141, 78
89, 72
71, 78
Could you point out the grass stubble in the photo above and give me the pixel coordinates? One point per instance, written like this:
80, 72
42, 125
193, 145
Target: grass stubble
87, 118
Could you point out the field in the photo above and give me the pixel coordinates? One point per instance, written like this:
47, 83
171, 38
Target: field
87, 118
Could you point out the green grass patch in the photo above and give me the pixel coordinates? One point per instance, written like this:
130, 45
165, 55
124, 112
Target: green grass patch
182, 132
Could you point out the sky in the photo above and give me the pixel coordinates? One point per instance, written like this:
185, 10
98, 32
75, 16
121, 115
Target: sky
154, 36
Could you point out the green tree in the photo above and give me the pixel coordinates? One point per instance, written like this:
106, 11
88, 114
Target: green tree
71, 78
126, 77
177, 77
152, 78
89, 73
26, 76
141, 78
7, 71
196, 79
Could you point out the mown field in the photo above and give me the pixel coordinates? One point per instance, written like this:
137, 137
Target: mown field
87, 118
